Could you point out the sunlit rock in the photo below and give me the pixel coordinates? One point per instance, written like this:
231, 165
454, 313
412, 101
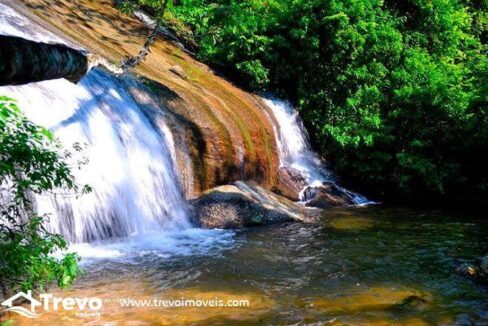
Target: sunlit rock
375, 298
245, 204
229, 134
292, 183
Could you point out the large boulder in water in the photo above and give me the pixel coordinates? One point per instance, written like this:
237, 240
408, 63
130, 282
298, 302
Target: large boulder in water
327, 195
245, 204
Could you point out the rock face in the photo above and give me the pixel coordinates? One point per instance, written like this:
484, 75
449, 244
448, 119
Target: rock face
292, 182
222, 133
245, 204
327, 195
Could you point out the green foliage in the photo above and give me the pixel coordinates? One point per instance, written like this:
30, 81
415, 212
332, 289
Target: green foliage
31, 162
230, 35
28, 260
393, 92
30, 155
156, 7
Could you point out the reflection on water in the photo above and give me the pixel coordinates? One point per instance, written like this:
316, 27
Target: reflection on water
362, 266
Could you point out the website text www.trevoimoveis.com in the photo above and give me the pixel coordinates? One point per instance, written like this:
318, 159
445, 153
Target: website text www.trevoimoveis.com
182, 302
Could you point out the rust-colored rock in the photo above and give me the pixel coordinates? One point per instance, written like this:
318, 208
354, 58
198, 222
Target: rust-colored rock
226, 133
178, 71
291, 183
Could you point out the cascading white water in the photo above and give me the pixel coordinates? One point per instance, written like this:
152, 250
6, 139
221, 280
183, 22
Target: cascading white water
293, 145
130, 165
295, 151
131, 160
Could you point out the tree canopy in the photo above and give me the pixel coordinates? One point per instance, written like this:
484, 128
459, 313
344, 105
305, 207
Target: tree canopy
393, 92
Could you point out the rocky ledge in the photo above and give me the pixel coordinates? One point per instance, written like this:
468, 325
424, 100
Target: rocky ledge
244, 204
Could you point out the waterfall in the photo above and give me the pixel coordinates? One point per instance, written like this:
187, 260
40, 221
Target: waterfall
295, 151
130, 160
131, 154
129, 167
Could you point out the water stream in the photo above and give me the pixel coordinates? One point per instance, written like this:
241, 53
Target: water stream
359, 266
295, 151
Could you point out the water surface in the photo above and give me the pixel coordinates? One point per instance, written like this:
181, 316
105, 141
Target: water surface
359, 266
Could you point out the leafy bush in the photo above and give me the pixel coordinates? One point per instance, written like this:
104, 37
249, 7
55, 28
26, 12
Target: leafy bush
31, 162
393, 92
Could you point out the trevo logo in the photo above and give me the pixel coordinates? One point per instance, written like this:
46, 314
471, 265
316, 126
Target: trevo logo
48, 303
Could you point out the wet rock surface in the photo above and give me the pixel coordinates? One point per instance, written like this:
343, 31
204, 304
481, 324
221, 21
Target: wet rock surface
23, 61
222, 132
350, 223
246, 204
327, 195
292, 183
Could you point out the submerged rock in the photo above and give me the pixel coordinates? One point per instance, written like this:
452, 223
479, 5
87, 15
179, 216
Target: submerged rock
478, 270
245, 204
351, 223
371, 299
176, 306
326, 195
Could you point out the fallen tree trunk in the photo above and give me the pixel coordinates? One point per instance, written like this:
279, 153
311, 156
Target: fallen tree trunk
23, 61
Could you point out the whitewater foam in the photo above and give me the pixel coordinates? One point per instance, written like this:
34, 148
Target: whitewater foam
295, 151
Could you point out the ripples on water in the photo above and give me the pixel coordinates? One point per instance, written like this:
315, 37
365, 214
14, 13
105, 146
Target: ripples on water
364, 265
